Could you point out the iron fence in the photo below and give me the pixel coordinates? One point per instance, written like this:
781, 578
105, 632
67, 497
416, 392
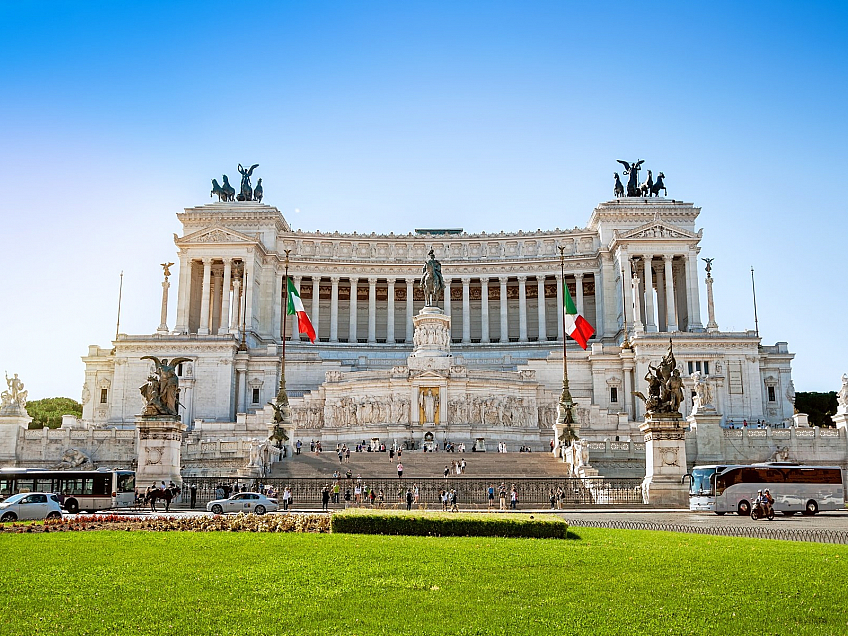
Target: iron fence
471, 491
752, 531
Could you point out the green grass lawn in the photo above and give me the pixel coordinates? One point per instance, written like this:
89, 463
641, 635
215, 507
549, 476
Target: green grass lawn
605, 582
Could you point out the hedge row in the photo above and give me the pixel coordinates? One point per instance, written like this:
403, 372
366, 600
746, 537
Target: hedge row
359, 521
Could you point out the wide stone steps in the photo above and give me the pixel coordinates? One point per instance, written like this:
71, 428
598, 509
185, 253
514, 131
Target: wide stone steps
417, 464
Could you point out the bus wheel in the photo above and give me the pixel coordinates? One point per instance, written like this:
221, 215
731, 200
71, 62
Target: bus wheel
744, 508
811, 508
9, 516
721, 514
72, 506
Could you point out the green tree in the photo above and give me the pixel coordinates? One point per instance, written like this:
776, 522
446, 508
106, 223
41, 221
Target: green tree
818, 406
49, 411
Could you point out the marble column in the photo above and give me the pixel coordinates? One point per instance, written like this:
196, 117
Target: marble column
638, 325
671, 313
447, 295
334, 309
372, 309
235, 322
316, 304
522, 308
409, 299
163, 318
215, 308
205, 298
484, 309
352, 331
692, 292
627, 273
560, 306
504, 313
466, 309
225, 297
184, 295
540, 307
578, 293
650, 319
390, 310
249, 286
712, 325
662, 322
295, 332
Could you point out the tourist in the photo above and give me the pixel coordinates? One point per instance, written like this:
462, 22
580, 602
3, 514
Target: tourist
297, 447
341, 456
349, 474
552, 497
381, 498
462, 467
415, 493
491, 495
287, 497
325, 498
399, 468
312, 446
409, 499
513, 498
502, 496
453, 499
193, 491
357, 493
391, 454
443, 497
347, 455
336, 490
447, 471
560, 495
372, 495
347, 496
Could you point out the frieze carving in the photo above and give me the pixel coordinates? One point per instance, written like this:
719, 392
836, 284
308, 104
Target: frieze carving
175, 437
665, 435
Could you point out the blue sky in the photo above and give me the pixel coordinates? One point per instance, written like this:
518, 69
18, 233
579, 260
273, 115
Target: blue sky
374, 116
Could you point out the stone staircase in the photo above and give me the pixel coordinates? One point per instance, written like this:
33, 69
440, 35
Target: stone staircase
420, 465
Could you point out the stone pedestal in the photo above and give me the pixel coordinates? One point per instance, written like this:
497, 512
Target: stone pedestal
11, 430
840, 419
801, 420
431, 340
159, 440
706, 426
665, 461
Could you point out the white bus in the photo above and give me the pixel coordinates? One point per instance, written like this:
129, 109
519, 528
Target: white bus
82, 489
795, 488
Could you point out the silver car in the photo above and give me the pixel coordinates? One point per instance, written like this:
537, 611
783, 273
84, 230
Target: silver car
245, 502
31, 505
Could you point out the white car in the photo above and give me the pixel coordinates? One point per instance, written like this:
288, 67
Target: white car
245, 502
31, 505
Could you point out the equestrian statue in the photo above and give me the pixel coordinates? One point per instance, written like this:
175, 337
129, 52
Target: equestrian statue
432, 282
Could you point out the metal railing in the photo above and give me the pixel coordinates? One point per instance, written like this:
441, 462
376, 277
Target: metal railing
748, 531
470, 490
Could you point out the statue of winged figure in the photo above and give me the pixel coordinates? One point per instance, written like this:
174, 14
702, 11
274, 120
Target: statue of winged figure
709, 262
246, 189
633, 171
167, 268
162, 390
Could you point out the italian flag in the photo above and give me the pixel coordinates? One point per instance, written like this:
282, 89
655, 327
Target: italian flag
576, 325
295, 306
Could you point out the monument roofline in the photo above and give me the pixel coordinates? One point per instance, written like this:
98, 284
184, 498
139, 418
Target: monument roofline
234, 212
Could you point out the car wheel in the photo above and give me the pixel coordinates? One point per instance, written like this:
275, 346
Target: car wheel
9, 516
72, 506
811, 508
217, 510
260, 510
54, 515
744, 508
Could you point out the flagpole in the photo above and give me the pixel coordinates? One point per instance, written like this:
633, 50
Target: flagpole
566, 403
282, 396
753, 288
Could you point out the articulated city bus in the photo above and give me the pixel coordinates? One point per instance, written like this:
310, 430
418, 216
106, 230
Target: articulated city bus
82, 489
795, 488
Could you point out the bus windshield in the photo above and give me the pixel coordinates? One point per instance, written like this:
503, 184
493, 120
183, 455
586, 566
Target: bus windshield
126, 482
702, 481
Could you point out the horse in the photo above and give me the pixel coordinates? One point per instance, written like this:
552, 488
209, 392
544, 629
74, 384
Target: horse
168, 494
229, 191
659, 185
216, 189
258, 192
645, 188
432, 282
618, 190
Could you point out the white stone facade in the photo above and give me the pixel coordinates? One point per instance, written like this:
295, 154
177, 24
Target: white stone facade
635, 262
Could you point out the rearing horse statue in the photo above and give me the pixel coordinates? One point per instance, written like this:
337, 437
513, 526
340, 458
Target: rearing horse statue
432, 282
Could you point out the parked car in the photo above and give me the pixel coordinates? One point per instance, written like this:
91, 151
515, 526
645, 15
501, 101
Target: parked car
31, 505
243, 502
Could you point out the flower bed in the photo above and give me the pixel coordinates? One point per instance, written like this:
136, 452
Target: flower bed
295, 522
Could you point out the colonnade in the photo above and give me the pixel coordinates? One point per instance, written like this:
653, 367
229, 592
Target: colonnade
470, 300
674, 280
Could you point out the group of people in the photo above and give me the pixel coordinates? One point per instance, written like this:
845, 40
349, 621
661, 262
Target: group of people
744, 424
765, 499
455, 467
503, 495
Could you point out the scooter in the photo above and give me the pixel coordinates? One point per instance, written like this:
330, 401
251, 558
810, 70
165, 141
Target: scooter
758, 512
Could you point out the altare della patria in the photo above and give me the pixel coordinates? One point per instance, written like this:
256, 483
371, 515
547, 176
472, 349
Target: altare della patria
433, 338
